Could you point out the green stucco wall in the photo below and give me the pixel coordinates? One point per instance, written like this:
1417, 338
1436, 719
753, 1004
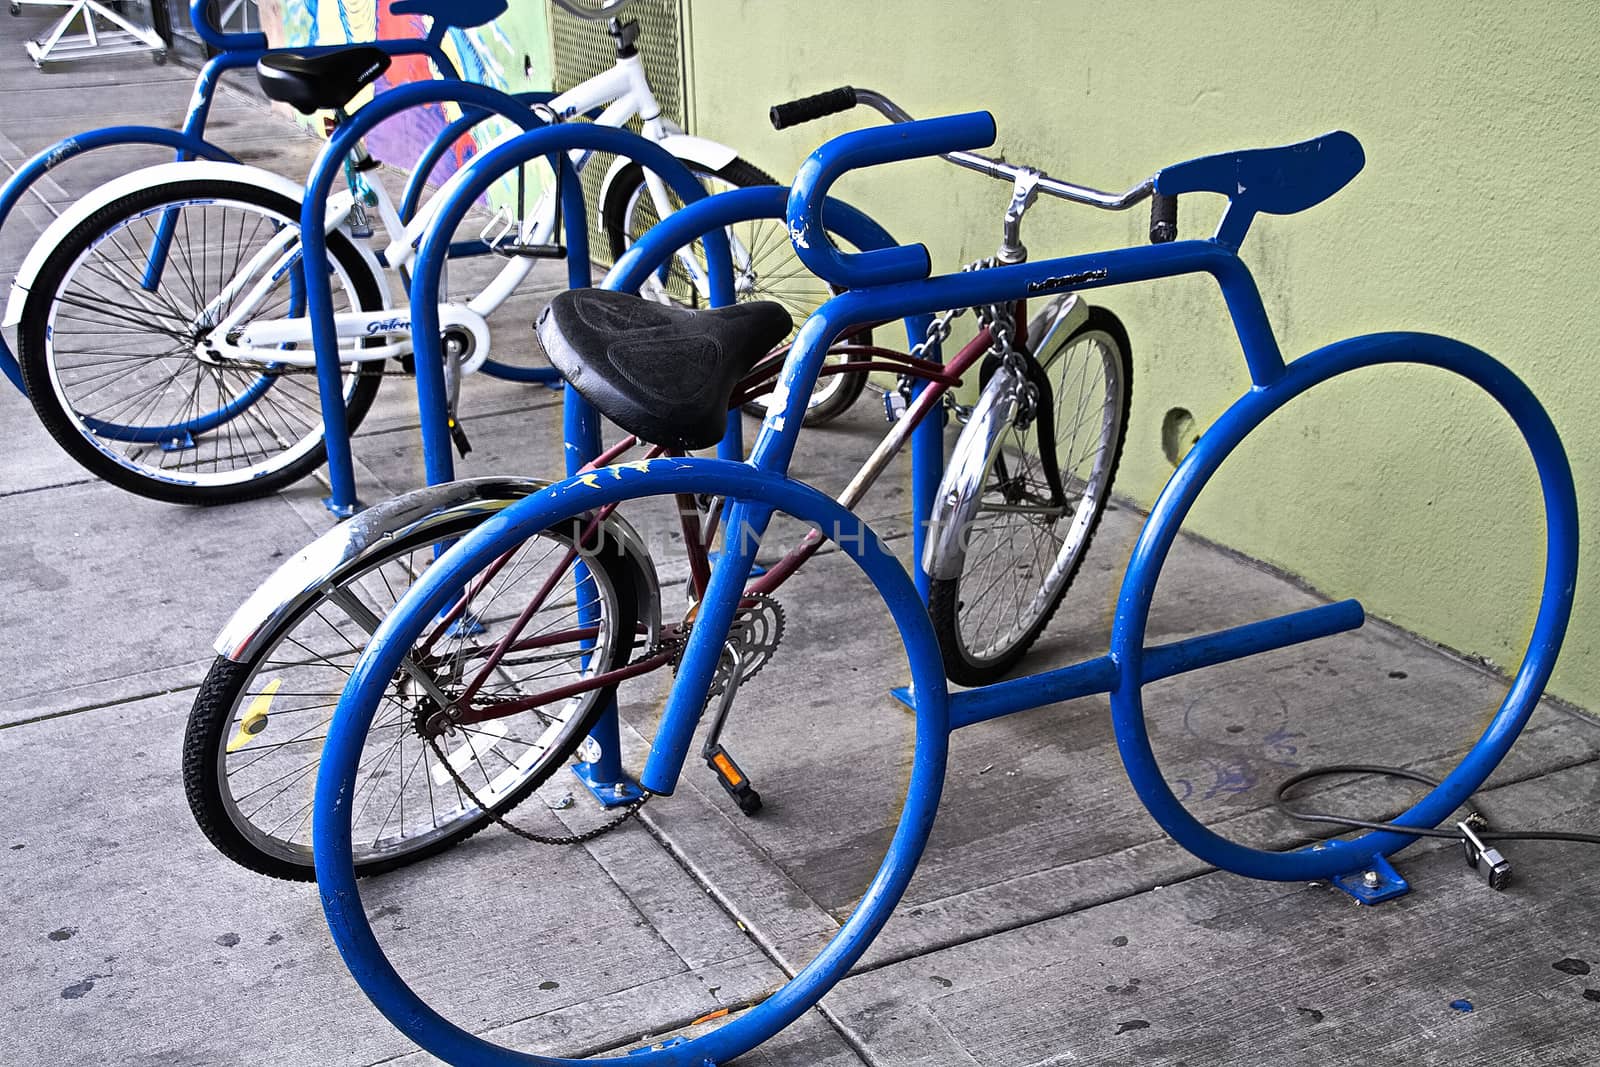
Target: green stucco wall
1473, 218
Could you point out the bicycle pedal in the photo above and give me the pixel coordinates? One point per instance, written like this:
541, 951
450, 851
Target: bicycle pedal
509, 249
459, 436
733, 780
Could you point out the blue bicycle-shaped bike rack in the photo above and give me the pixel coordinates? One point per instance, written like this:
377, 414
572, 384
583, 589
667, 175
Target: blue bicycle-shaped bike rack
885, 284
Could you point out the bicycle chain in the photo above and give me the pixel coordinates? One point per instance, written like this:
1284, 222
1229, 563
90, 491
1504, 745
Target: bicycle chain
991, 315
743, 624
528, 835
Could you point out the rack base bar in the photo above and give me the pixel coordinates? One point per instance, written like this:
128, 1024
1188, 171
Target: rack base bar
1160, 661
1003, 698
1180, 657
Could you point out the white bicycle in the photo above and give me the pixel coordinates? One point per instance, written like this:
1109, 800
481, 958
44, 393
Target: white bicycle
162, 327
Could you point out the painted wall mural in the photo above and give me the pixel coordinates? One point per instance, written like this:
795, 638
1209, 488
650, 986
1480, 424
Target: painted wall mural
511, 54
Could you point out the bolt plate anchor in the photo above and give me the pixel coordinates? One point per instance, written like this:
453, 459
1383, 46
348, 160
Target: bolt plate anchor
610, 794
1374, 883
671, 1042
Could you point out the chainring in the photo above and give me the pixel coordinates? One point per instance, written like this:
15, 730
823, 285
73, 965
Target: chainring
756, 632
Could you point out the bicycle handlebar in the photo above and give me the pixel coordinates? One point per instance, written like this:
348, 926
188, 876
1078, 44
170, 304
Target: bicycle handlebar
593, 14
866, 148
808, 108
481, 11
216, 37
845, 97
1163, 218
907, 138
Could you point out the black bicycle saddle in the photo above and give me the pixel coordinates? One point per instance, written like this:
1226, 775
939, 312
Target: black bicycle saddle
664, 374
323, 81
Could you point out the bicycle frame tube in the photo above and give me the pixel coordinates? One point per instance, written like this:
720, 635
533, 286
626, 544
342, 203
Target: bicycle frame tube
319, 291
613, 86
582, 436
270, 263
422, 170
234, 51
261, 339
929, 392
695, 220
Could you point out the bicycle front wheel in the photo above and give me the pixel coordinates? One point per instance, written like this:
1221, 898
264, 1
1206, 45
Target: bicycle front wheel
254, 739
113, 348
765, 267
1022, 548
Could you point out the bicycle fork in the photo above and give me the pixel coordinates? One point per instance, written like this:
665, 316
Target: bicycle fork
960, 496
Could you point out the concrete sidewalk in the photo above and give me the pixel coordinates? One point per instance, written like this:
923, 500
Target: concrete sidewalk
1050, 922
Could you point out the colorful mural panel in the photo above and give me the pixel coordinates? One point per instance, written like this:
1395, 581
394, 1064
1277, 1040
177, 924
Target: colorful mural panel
511, 54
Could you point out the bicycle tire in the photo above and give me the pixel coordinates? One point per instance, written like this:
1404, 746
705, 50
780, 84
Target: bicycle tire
628, 211
967, 665
272, 423
235, 693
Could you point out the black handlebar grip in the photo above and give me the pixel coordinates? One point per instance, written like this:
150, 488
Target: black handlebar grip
812, 107
1163, 219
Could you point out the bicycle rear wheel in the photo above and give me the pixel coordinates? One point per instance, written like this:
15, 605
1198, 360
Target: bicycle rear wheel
1021, 551
726, 1034
254, 739
116, 367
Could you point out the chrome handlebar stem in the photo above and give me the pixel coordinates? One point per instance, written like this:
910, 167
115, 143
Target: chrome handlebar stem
998, 168
593, 14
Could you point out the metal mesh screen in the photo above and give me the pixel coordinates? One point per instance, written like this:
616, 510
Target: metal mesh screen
582, 50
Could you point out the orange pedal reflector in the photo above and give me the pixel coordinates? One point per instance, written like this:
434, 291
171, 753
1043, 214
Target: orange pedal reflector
733, 780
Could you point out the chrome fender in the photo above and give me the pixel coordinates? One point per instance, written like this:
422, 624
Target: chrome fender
944, 554
698, 151
348, 546
961, 489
